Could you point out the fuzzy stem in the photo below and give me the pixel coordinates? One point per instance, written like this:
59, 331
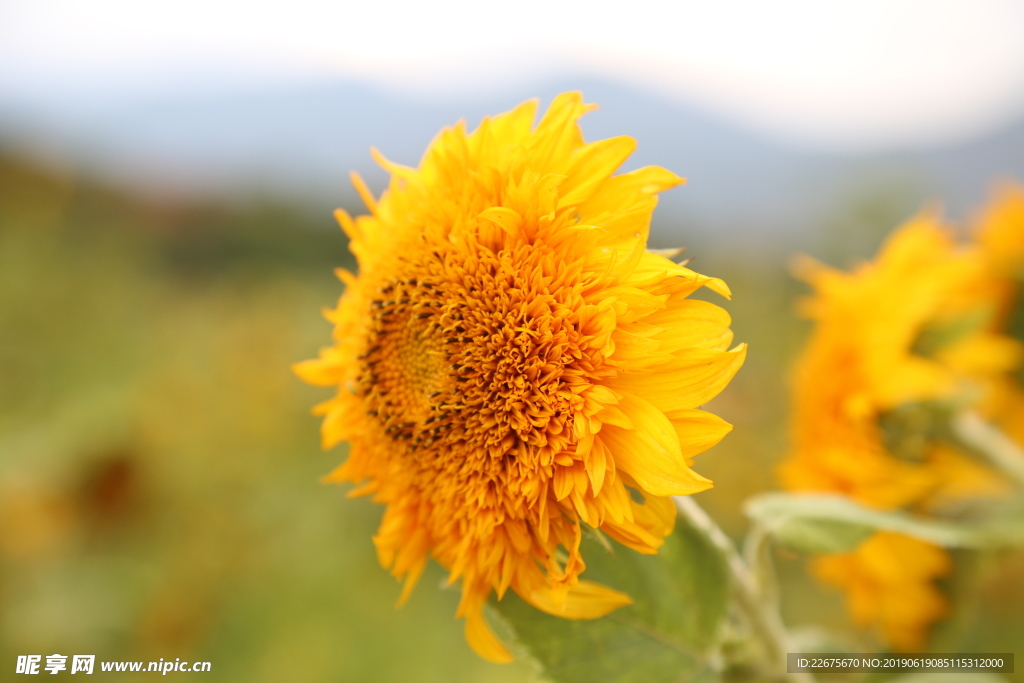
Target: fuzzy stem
767, 623
756, 552
996, 446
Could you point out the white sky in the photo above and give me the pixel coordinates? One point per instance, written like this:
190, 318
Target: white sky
829, 72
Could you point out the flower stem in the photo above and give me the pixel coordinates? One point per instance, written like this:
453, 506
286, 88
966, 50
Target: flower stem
996, 446
767, 623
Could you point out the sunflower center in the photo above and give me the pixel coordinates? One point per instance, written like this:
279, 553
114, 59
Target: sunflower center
477, 364
404, 367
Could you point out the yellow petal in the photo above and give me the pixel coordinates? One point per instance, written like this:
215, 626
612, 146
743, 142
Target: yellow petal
694, 378
515, 125
692, 323
592, 165
319, 372
697, 430
653, 520
364, 192
482, 639
558, 134
650, 452
586, 600
505, 218
624, 188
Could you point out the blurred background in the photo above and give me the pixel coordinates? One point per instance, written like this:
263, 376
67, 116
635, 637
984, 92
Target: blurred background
167, 175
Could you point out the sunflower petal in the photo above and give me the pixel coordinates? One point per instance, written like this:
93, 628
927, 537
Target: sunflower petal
650, 452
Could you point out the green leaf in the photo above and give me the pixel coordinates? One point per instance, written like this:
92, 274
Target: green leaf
669, 634
909, 430
1015, 319
828, 524
936, 337
817, 535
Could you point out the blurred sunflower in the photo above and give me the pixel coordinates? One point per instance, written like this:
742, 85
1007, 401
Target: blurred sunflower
999, 230
510, 361
896, 343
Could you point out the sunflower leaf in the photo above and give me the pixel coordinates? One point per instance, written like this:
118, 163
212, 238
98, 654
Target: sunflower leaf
829, 524
668, 635
936, 337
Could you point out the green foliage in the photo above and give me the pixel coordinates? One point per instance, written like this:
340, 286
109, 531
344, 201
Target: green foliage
144, 352
910, 429
668, 635
159, 467
1015, 323
829, 524
942, 334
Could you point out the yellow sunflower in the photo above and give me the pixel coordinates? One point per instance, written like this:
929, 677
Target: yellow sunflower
888, 584
510, 361
1000, 232
908, 328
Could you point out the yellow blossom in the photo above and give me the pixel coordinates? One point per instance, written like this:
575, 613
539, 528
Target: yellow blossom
999, 230
888, 582
510, 361
911, 327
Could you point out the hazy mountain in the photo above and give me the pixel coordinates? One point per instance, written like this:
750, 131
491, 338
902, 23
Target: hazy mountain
304, 139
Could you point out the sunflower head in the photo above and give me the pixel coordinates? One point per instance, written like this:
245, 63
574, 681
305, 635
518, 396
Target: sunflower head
1000, 229
911, 327
897, 345
510, 362
888, 585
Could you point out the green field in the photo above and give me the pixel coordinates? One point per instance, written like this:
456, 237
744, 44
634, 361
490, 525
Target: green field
159, 467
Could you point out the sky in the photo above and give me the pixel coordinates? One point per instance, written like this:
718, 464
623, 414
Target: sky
865, 74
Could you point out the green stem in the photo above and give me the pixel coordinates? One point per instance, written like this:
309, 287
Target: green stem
757, 554
767, 623
990, 441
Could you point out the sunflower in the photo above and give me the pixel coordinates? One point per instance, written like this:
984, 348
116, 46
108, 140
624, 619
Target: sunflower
514, 367
894, 340
999, 230
888, 582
